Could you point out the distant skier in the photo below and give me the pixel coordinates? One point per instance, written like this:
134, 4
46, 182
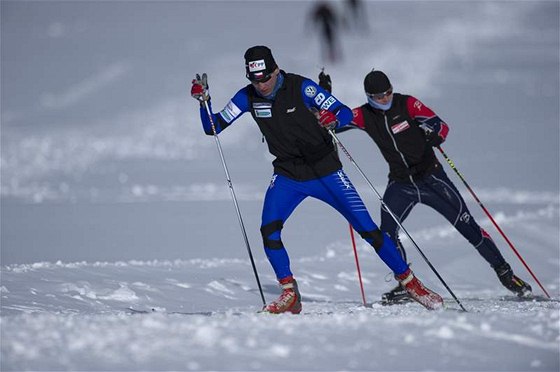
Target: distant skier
294, 115
355, 15
325, 19
405, 130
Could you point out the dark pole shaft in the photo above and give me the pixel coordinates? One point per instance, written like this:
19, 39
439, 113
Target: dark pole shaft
234, 198
452, 165
395, 217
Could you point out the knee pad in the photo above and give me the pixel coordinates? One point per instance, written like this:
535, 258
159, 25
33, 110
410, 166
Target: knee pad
269, 229
376, 237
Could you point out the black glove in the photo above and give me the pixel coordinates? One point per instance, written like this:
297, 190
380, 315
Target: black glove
325, 81
433, 139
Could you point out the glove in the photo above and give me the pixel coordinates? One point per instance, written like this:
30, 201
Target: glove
199, 89
325, 81
432, 137
327, 119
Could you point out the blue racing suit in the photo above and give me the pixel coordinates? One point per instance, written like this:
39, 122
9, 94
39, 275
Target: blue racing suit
306, 163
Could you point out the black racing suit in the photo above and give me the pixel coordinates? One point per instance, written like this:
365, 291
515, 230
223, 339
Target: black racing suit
415, 174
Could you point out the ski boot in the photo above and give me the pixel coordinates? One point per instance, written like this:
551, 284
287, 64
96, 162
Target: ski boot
512, 282
395, 296
424, 296
289, 300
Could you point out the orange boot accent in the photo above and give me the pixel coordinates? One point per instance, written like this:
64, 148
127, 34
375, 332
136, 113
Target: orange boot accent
289, 300
424, 296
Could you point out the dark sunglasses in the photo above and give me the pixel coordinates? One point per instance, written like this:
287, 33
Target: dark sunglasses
263, 80
381, 95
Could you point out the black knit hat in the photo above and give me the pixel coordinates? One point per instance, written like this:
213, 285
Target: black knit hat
376, 82
259, 63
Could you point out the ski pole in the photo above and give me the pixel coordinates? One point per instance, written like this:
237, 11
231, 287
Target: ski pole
394, 217
355, 250
357, 264
232, 192
452, 165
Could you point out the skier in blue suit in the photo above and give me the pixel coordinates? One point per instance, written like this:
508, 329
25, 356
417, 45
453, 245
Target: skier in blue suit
294, 115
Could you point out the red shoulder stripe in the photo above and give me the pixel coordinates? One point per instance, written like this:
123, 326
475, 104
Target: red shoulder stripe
358, 118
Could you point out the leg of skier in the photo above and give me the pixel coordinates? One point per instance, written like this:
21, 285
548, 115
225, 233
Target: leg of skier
400, 198
444, 197
281, 198
337, 190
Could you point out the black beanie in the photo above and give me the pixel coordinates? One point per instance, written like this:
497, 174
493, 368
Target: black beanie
376, 82
259, 62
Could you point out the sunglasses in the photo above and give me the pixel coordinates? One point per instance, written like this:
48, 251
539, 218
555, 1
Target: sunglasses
262, 80
379, 96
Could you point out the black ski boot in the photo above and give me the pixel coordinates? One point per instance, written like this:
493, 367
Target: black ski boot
395, 296
512, 282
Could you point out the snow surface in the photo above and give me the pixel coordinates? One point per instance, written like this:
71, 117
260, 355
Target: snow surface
113, 199
201, 314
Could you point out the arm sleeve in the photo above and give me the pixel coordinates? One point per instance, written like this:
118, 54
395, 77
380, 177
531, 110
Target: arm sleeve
426, 117
317, 99
236, 107
357, 121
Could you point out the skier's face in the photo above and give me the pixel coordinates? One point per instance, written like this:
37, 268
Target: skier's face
383, 98
266, 86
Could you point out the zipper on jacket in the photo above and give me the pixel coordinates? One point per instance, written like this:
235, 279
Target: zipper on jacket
400, 153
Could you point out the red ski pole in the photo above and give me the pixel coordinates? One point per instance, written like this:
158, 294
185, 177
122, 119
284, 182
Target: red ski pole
450, 162
357, 264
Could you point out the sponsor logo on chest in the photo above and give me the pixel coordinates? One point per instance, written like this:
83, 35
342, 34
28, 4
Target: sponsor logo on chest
263, 113
262, 109
399, 127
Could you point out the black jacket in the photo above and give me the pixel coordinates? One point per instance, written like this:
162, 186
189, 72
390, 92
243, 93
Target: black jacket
303, 149
400, 139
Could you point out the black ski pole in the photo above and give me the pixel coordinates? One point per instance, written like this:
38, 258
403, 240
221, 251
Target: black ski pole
232, 192
395, 217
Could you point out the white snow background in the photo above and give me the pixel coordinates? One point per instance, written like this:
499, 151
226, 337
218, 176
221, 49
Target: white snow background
112, 197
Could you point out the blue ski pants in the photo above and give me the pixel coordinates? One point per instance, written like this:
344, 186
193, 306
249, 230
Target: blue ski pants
285, 194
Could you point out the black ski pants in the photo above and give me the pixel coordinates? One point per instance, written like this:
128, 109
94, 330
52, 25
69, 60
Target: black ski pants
439, 193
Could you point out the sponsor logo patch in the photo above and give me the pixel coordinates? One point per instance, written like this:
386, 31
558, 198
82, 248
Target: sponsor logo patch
257, 65
397, 128
263, 113
226, 116
418, 105
258, 105
230, 112
344, 180
328, 103
290, 110
310, 91
319, 99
